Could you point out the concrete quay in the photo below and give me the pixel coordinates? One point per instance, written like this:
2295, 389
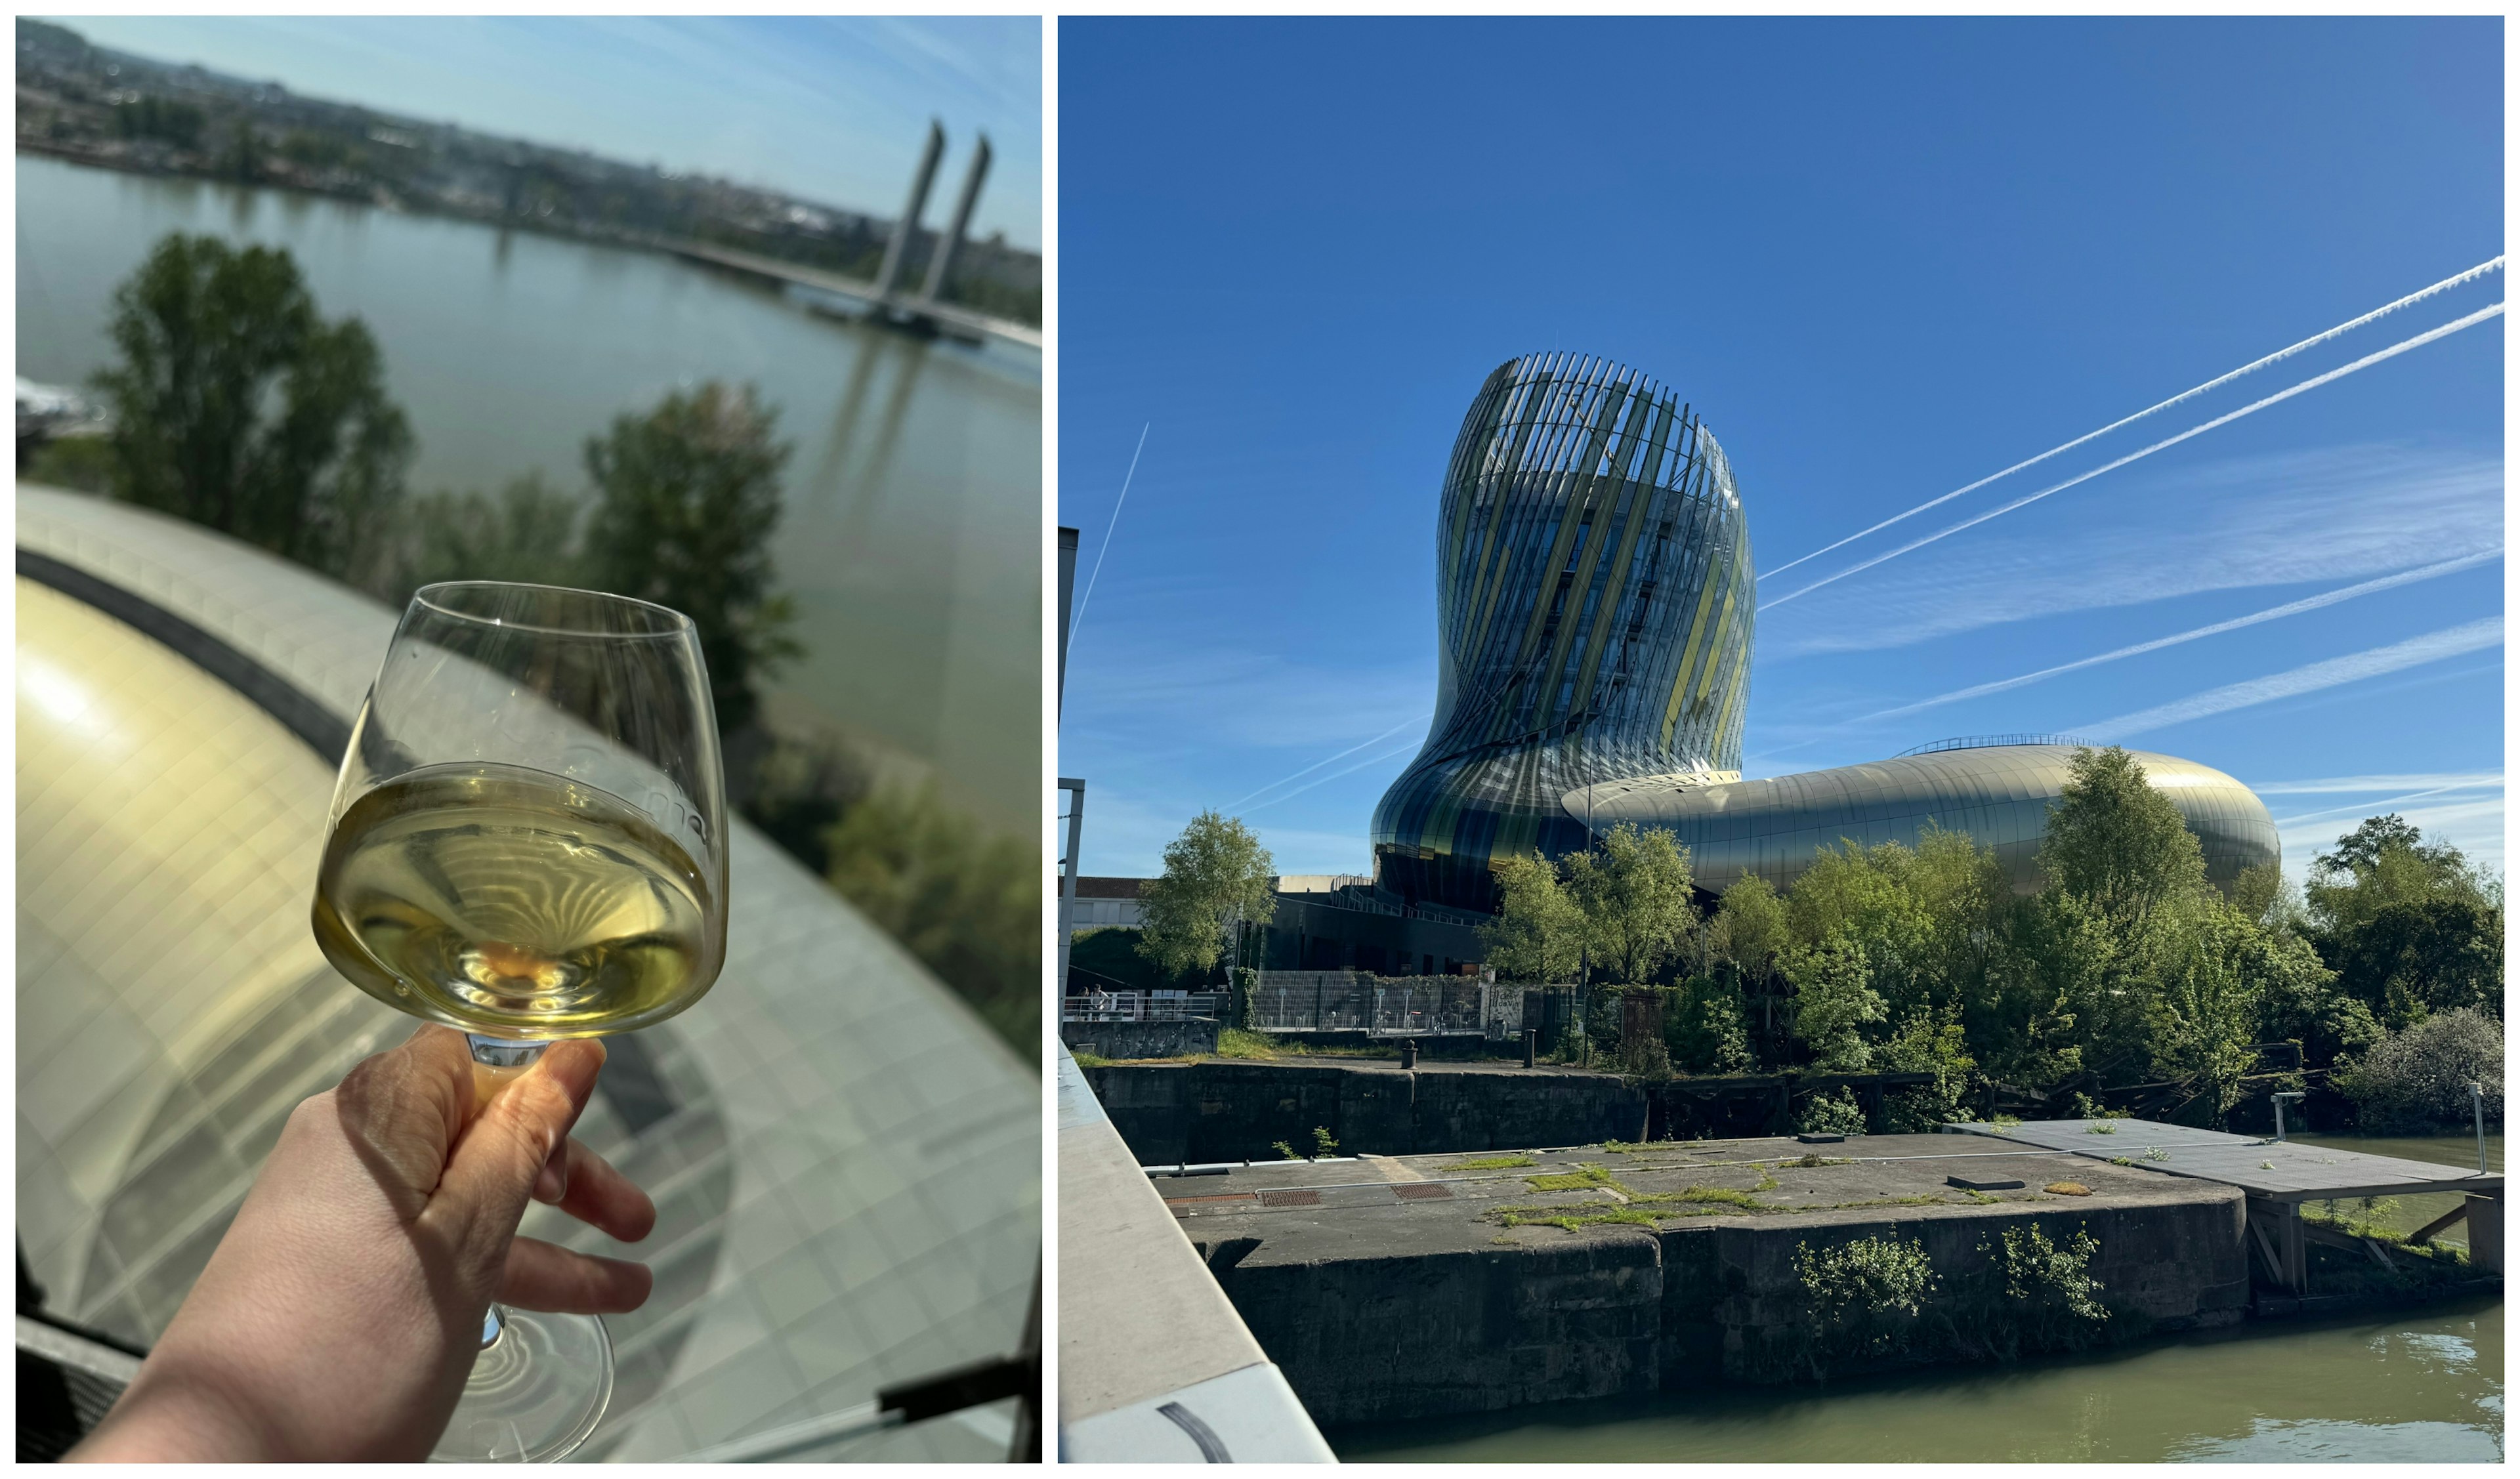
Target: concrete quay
1233, 1109
1427, 1284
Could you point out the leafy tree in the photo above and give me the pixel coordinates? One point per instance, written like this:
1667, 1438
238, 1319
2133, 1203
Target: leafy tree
1927, 1042
1537, 933
964, 902
1701, 1027
528, 533
2417, 1079
1216, 876
238, 406
1833, 1002
2209, 1004
687, 497
1633, 890
1751, 932
2409, 926
2115, 841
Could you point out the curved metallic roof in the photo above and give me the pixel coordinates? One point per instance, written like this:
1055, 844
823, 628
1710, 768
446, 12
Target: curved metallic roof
845, 1161
1999, 795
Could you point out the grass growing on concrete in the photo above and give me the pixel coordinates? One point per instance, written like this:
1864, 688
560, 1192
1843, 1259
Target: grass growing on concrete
1581, 1179
1888, 1201
1493, 1163
2104, 1127
1242, 1043
1815, 1158
1089, 1059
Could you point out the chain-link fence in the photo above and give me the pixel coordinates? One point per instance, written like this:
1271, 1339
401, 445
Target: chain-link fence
1345, 1000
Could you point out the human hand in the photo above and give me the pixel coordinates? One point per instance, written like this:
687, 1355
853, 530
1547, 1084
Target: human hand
338, 1317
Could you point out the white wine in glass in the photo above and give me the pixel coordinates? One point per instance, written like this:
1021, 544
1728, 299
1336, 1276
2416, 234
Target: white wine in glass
528, 844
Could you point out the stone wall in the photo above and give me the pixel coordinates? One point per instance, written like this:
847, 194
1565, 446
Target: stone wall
1382, 1336
1372, 1339
1230, 1111
1141, 1040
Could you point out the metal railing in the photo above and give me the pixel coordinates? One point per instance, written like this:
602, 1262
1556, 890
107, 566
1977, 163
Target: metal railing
1339, 1001
1140, 1005
1989, 741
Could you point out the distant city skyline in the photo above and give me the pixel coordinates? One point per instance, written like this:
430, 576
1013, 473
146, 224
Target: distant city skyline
1883, 259
828, 109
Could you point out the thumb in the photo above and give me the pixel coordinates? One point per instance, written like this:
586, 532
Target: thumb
489, 1178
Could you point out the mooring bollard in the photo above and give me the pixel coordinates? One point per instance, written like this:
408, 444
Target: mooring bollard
1531, 1048
1407, 1052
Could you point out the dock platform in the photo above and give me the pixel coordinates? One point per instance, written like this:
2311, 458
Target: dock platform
2277, 1176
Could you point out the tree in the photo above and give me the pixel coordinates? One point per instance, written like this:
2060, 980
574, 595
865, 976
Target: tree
1701, 1027
1537, 933
1633, 893
1833, 1002
965, 903
2418, 1079
686, 496
1750, 929
2409, 927
238, 406
1216, 876
2114, 840
528, 533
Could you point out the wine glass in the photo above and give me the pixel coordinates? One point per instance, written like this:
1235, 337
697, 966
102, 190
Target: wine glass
527, 843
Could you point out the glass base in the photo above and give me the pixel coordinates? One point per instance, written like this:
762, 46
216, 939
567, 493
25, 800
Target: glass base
536, 1392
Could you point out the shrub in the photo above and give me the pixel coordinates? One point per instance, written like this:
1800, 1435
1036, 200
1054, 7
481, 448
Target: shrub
1832, 1113
2417, 1079
1701, 1028
1865, 1294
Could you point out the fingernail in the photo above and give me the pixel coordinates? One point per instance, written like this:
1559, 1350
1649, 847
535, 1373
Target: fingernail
551, 1184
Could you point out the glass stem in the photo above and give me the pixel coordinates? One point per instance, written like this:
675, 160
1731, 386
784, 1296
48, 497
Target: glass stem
502, 1053
495, 1060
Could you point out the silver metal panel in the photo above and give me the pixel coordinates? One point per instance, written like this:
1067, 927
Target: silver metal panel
1774, 827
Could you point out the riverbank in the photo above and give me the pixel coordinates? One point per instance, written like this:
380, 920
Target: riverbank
911, 536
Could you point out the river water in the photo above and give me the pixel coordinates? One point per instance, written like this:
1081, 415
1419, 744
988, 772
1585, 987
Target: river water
2419, 1386
913, 531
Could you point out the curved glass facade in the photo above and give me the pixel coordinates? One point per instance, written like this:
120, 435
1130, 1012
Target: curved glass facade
1594, 604
1594, 613
1997, 794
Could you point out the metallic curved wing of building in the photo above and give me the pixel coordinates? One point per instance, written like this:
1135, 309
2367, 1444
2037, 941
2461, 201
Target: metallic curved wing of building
1594, 616
1997, 794
1595, 603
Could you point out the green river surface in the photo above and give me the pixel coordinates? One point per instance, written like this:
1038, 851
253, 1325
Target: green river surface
2419, 1385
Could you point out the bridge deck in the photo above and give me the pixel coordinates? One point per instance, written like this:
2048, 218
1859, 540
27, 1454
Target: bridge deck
2279, 1172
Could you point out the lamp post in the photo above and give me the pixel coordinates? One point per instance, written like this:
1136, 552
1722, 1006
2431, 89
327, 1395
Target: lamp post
2476, 1096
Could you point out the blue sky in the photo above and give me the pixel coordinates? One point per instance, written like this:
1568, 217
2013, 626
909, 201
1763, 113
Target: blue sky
1884, 259
834, 108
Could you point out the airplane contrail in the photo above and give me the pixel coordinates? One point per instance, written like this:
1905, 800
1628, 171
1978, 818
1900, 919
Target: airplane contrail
2432, 647
1341, 755
1078, 620
1334, 774
2215, 629
2446, 283
2368, 807
2227, 417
